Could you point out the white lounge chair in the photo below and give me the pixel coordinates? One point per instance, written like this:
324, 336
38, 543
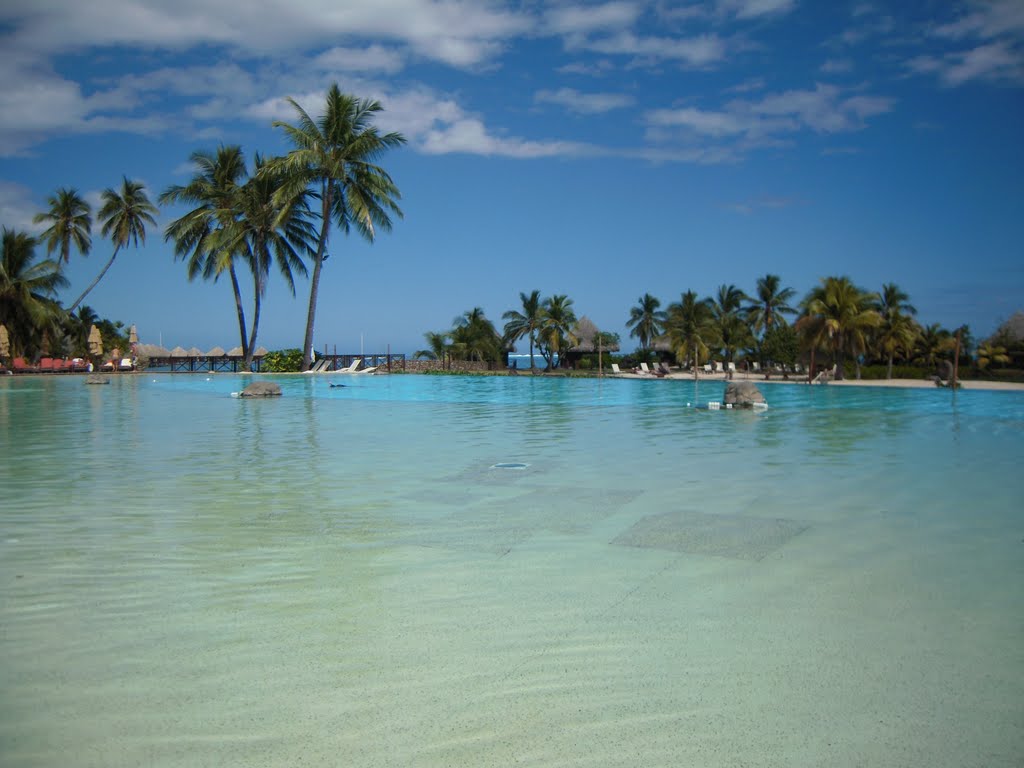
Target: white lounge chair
644, 368
318, 366
707, 368
732, 367
718, 367
353, 368
615, 369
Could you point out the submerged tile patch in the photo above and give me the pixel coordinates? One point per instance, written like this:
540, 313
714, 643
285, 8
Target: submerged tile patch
697, 533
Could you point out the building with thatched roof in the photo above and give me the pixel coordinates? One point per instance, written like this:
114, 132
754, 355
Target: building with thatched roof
587, 342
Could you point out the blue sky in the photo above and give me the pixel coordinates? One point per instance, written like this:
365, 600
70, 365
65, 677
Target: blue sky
600, 150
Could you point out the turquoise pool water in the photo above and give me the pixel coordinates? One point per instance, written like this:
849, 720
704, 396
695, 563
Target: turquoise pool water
343, 577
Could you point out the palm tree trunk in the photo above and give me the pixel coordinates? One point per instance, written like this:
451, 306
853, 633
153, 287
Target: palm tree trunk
888, 368
94, 282
239, 309
314, 286
255, 324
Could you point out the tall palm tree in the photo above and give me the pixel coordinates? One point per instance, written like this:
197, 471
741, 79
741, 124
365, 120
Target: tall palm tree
525, 323
932, 343
211, 190
731, 332
842, 315
557, 328
897, 330
476, 336
27, 289
646, 320
267, 228
336, 155
124, 215
70, 222
690, 326
78, 325
770, 305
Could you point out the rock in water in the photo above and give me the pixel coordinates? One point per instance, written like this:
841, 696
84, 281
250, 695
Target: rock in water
742, 394
95, 378
261, 389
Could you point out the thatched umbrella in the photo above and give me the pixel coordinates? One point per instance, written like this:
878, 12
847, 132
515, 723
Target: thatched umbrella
95, 342
133, 336
5, 341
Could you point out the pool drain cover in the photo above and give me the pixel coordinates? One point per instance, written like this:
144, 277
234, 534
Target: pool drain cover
509, 465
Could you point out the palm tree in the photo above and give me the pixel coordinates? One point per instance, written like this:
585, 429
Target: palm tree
70, 222
125, 215
770, 305
476, 336
212, 190
989, 353
78, 325
731, 331
841, 314
646, 321
438, 347
525, 323
27, 291
690, 327
897, 330
557, 328
932, 342
336, 155
266, 227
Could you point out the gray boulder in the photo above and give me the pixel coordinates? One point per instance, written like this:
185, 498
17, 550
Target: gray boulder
742, 394
95, 378
261, 389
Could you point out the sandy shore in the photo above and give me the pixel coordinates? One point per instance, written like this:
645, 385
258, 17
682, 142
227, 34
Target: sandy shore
901, 383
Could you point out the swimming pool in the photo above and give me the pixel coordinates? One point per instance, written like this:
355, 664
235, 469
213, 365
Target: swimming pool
342, 576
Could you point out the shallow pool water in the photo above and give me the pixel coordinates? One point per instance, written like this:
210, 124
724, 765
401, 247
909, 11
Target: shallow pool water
349, 576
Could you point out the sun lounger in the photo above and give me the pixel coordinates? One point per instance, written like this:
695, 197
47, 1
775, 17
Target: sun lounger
644, 368
126, 364
615, 369
18, 365
353, 368
318, 366
708, 369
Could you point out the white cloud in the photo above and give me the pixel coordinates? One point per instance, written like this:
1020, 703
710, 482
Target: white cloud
837, 66
694, 51
745, 124
17, 208
584, 19
988, 19
584, 103
750, 9
469, 136
456, 32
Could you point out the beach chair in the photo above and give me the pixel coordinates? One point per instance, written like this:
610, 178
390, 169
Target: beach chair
319, 366
18, 365
371, 369
644, 368
615, 369
351, 368
755, 367
718, 367
126, 364
707, 368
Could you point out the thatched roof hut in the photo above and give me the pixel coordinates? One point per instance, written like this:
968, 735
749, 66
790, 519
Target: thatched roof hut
216, 352
179, 352
586, 335
236, 352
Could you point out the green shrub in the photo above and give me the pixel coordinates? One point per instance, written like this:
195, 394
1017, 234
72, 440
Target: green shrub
282, 361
